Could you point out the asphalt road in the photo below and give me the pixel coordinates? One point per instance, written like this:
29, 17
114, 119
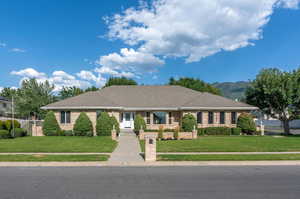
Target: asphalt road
282, 182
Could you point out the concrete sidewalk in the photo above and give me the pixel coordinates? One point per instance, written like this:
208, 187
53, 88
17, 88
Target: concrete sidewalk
128, 149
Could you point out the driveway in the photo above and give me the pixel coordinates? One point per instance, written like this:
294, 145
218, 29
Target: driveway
272, 182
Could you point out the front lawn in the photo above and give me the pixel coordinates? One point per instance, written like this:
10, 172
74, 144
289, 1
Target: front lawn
47, 144
52, 158
230, 144
229, 157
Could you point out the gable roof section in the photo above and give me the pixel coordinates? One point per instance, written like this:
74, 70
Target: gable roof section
147, 98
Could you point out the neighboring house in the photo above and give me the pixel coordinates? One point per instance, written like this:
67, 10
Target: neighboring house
5, 106
159, 105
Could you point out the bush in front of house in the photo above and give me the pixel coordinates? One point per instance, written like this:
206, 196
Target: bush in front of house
18, 132
115, 123
9, 124
68, 133
83, 126
188, 123
217, 131
4, 134
104, 125
139, 123
246, 123
236, 131
160, 132
2, 125
50, 125
201, 131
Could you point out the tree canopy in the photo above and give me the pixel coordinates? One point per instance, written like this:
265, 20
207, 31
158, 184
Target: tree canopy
120, 81
67, 92
195, 84
276, 93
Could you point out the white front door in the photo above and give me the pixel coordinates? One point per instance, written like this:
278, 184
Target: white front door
127, 120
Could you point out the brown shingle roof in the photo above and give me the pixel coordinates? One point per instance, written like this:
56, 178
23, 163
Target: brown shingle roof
147, 97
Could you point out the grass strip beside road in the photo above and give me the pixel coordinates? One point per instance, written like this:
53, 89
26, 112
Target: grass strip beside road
230, 144
229, 157
58, 144
53, 158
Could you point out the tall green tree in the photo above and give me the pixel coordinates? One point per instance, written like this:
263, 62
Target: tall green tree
119, 81
195, 84
276, 93
92, 88
31, 96
8, 92
67, 92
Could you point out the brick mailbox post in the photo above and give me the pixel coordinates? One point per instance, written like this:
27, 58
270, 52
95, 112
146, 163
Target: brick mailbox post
150, 147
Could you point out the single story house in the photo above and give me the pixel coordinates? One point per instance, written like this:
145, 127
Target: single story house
158, 105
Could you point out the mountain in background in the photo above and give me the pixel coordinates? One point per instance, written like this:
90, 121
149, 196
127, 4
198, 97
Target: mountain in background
232, 90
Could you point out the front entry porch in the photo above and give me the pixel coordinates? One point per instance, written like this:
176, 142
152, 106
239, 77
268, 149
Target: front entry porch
127, 120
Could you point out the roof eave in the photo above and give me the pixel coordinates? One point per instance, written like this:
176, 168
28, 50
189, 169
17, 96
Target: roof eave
219, 108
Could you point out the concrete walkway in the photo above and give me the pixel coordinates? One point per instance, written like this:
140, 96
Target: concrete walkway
128, 150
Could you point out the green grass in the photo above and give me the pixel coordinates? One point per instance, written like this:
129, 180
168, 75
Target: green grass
58, 144
52, 158
231, 144
207, 157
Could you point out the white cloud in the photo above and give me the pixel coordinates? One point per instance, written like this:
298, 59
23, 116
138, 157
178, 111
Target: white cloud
58, 78
30, 73
115, 73
292, 4
18, 50
1, 88
129, 61
192, 29
89, 76
2, 44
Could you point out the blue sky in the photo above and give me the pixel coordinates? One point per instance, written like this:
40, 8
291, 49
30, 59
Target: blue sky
68, 42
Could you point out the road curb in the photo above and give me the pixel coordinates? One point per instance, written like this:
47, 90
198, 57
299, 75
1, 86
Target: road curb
150, 164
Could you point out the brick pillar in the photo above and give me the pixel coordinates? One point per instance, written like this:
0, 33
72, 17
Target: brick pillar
150, 147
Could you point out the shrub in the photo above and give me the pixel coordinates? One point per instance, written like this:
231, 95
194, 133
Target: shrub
176, 133
115, 123
4, 134
161, 132
104, 125
188, 122
2, 125
246, 123
217, 131
83, 125
201, 131
139, 123
68, 133
9, 124
236, 131
18, 132
50, 125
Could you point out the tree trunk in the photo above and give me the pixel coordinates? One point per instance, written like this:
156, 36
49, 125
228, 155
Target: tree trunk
286, 127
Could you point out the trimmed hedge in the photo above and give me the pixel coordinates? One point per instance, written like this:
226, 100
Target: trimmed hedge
50, 125
2, 125
9, 124
4, 134
68, 133
218, 131
104, 125
236, 131
139, 123
246, 123
188, 123
201, 131
18, 132
83, 126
